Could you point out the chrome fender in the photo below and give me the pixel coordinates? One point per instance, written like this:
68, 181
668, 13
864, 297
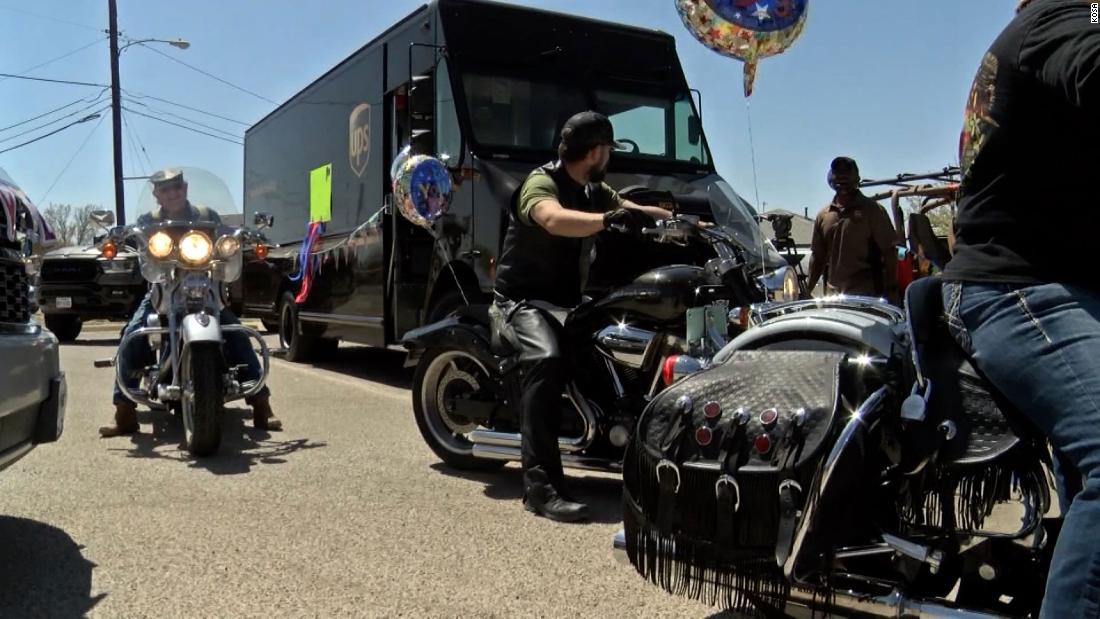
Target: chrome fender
200, 328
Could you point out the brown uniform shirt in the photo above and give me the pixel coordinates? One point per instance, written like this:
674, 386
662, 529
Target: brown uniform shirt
858, 246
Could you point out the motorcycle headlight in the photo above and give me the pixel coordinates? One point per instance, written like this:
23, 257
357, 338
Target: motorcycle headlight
195, 248
228, 247
781, 284
160, 245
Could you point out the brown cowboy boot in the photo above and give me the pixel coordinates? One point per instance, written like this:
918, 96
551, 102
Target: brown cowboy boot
262, 417
125, 421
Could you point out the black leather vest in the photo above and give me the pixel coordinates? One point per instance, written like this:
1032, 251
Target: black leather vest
538, 266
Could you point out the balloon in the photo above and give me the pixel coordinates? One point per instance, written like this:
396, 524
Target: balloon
399, 161
749, 30
422, 190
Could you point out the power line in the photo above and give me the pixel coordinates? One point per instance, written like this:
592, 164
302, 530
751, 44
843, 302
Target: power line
44, 114
168, 122
138, 165
137, 136
183, 118
71, 160
210, 75
48, 18
56, 131
61, 57
43, 79
52, 122
186, 107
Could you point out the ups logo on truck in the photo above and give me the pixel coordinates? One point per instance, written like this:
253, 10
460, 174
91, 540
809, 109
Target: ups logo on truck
359, 138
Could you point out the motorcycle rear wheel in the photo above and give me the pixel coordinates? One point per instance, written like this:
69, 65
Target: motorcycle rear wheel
440, 371
202, 398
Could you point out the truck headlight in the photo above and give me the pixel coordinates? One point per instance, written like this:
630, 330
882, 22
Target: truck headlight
228, 247
195, 248
117, 266
160, 245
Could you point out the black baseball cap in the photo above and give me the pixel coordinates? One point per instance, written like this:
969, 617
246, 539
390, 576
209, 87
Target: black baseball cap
589, 129
844, 165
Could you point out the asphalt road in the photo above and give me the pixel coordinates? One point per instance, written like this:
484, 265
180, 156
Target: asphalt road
346, 513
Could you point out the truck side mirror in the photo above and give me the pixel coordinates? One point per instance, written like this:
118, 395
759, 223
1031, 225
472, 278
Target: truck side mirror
695, 130
102, 217
263, 220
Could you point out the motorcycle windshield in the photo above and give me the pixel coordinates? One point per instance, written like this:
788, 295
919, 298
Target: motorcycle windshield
739, 219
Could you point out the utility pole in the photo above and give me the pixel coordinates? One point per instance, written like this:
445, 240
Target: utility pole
116, 116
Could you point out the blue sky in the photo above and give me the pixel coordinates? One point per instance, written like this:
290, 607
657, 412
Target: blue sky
882, 81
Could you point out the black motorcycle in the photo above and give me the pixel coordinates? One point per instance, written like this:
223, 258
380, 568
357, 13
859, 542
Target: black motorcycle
624, 347
841, 457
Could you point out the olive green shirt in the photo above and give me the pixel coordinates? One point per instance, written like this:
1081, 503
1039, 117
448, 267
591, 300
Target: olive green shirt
540, 186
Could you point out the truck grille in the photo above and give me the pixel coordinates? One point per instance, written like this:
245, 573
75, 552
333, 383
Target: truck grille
15, 305
69, 271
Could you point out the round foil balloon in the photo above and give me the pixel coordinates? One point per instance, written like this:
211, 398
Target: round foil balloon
399, 161
422, 190
749, 30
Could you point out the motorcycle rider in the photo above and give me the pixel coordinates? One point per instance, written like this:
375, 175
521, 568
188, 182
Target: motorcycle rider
1021, 292
547, 252
170, 191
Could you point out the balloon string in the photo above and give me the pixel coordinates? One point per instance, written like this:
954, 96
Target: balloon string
756, 184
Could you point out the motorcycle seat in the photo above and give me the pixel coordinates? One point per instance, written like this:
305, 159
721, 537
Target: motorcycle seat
986, 424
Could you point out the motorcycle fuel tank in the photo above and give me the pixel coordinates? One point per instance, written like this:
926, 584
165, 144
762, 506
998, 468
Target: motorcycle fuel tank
662, 295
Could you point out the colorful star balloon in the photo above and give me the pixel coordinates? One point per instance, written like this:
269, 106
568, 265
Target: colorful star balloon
749, 30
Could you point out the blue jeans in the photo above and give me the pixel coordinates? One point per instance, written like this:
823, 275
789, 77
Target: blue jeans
237, 349
1040, 347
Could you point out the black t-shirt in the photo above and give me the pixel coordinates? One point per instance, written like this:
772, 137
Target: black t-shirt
1030, 153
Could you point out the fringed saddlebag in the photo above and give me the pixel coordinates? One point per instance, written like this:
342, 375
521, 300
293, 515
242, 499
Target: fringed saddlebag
718, 473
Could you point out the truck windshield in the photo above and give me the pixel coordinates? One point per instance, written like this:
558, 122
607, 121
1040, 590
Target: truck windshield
521, 113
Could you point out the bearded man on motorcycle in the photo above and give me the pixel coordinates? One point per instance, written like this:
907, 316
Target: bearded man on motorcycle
170, 191
558, 211
1022, 292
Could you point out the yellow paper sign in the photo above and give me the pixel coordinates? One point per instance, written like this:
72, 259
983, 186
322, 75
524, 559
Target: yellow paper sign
320, 193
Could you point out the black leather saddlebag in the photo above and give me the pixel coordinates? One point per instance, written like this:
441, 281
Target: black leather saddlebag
718, 473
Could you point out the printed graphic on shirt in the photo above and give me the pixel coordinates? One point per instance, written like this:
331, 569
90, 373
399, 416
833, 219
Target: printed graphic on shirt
977, 123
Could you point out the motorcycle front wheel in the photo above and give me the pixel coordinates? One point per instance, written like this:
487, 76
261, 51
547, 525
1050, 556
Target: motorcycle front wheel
202, 397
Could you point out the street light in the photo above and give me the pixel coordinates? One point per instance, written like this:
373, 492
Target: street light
116, 103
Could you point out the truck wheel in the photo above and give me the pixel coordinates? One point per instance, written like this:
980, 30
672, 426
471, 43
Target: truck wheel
298, 346
202, 398
441, 376
65, 326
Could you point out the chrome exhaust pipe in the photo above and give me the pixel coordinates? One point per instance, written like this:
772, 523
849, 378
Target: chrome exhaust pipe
569, 461
801, 602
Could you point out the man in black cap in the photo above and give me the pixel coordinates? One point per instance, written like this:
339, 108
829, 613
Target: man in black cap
547, 251
170, 191
854, 244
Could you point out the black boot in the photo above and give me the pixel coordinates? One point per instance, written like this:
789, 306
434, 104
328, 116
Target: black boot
543, 499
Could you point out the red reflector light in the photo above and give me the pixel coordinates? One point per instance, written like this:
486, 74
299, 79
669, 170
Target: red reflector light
109, 250
712, 410
703, 436
763, 444
769, 417
261, 251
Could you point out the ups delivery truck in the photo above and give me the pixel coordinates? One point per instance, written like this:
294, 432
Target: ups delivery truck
485, 87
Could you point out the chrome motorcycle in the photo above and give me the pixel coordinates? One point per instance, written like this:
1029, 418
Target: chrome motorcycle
187, 264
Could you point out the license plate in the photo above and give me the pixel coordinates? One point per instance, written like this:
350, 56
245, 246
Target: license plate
64, 302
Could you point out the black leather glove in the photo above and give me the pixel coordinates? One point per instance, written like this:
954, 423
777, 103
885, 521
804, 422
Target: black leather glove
622, 220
